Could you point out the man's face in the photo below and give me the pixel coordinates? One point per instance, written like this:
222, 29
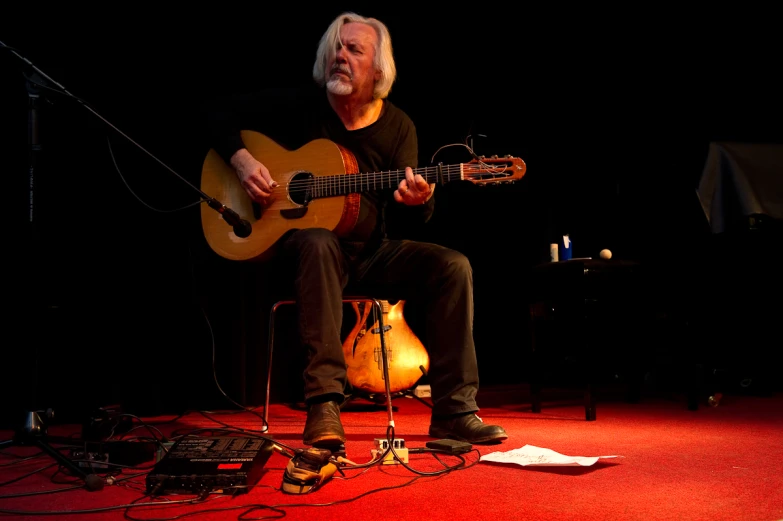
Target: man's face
352, 71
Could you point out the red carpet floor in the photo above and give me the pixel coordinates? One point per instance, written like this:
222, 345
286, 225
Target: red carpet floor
717, 463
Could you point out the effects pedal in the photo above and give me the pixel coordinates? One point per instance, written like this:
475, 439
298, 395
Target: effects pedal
308, 470
381, 444
90, 460
450, 446
422, 391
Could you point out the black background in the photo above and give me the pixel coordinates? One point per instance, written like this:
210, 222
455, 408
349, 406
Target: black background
114, 291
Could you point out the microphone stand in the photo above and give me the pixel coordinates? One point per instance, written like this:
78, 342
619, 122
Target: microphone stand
34, 431
242, 227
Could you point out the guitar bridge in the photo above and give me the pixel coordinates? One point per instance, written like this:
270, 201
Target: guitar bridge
288, 213
294, 213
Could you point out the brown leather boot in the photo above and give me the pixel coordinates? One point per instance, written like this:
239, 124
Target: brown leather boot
323, 426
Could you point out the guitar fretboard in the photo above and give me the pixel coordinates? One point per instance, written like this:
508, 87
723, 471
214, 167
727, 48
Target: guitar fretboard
333, 185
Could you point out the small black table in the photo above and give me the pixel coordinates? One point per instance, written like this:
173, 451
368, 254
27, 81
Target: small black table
591, 312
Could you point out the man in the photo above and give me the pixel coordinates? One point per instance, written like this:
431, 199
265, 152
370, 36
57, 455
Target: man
354, 72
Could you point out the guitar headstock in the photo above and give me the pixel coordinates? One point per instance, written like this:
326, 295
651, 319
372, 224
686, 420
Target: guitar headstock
494, 170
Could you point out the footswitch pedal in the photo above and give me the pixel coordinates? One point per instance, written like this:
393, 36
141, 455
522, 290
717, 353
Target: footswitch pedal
423, 391
381, 444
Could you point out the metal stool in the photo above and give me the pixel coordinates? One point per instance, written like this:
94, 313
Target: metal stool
375, 303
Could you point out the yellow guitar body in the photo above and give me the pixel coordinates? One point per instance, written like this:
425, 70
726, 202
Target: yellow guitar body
405, 352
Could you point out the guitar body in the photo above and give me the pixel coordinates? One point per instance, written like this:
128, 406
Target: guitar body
405, 352
284, 213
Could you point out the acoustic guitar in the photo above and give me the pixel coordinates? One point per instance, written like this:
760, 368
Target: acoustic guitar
318, 186
405, 353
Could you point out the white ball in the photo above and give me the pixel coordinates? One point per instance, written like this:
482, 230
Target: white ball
606, 254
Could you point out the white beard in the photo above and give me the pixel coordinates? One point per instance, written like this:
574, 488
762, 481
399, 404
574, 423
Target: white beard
338, 87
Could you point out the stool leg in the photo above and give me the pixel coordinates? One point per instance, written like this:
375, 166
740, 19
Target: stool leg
270, 349
385, 359
589, 326
535, 382
589, 402
535, 385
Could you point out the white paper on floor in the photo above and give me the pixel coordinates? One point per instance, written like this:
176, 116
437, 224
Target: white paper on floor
530, 455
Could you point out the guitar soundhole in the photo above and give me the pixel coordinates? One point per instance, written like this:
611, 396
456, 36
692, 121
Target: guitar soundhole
300, 189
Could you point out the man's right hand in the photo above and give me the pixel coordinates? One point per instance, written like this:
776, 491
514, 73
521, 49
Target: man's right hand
254, 176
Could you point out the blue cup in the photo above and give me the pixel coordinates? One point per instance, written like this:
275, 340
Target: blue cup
566, 248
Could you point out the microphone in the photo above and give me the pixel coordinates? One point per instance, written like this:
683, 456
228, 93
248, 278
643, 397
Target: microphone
243, 229
241, 226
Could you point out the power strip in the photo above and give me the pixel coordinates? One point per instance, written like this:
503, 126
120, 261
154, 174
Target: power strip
381, 444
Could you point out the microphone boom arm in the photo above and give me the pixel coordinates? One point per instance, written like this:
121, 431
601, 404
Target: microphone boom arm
242, 227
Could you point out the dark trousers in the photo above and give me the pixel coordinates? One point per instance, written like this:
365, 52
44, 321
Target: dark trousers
436, 279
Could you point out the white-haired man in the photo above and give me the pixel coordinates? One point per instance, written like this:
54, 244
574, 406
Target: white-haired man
354, 72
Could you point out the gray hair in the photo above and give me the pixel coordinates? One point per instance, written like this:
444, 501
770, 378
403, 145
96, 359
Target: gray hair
384, 57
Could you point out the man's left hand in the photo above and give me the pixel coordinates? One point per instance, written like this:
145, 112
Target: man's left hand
413, 190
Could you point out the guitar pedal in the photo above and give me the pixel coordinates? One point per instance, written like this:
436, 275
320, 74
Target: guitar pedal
422, 391
381, 444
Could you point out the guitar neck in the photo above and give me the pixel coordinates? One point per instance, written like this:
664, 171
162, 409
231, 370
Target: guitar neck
333, 185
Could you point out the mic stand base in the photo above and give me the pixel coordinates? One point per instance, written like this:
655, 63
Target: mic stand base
34, 434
